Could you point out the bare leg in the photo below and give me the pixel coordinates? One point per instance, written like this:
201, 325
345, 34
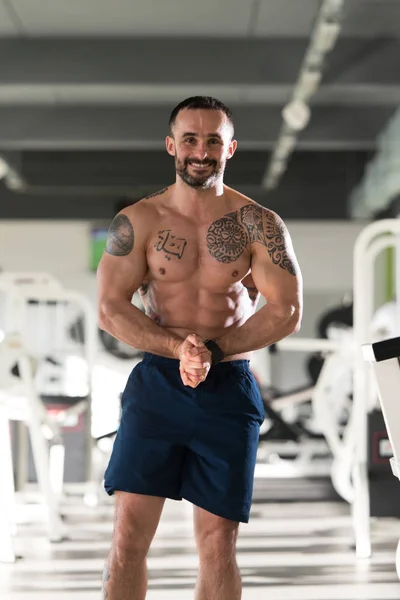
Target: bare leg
219, 577
136, 521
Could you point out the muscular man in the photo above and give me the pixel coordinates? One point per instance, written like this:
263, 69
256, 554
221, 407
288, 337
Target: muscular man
201, 253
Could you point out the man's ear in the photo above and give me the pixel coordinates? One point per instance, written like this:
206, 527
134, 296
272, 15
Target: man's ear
232, 149
170, 145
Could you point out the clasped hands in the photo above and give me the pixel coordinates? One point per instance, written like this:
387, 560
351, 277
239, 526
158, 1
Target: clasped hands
194, 360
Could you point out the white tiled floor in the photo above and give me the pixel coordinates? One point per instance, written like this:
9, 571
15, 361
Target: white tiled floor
289, 551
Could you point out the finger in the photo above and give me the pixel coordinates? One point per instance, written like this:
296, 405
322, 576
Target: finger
194, 339
198, 376
194, 385
187, 381
185, 378
187, 375
198, 349
195, 377
196, 373
196, 355
189, 364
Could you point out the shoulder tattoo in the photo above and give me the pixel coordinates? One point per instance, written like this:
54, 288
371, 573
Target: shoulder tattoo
154, 194
228, 237
120, 237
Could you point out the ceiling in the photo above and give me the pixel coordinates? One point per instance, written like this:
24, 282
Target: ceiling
86, 89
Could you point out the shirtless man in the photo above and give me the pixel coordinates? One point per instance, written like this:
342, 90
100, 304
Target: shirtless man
201, 253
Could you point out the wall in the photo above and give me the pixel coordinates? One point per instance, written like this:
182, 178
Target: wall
61, 248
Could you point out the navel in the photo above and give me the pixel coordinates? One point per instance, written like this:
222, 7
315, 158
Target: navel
235, 273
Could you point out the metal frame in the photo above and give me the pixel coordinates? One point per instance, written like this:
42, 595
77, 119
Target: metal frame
368, 246
385, 358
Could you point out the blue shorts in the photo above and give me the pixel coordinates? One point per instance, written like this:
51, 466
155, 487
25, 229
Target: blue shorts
178, 442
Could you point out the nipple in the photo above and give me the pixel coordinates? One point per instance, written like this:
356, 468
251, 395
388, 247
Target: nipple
162, 271
235, 273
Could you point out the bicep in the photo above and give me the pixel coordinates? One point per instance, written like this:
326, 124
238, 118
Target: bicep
275, 270
123, 265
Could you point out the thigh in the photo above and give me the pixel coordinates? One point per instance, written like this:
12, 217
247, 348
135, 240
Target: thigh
149, 450
219, 470
136, 519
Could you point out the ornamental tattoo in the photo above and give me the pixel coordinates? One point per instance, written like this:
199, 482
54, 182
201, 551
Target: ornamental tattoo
120, 237
228, 237
170, 244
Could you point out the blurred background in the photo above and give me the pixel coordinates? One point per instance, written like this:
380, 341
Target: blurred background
86, 90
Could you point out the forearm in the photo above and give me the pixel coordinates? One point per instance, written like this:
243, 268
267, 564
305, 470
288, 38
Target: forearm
128, 324
264, 328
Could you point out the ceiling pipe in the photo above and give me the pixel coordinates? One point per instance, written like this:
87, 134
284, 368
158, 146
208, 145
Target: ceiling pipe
297, 113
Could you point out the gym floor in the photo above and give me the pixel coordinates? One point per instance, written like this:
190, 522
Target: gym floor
289, 550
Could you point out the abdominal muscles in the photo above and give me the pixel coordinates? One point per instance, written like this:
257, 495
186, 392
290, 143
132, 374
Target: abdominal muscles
184, 307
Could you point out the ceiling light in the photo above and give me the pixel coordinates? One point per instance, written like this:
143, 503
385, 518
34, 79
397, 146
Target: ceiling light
325, 37
296, 115
3, 168
308, 84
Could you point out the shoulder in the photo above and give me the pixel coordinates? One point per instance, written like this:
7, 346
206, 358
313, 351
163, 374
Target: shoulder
131, 227
143, 213
255, 217
149, 205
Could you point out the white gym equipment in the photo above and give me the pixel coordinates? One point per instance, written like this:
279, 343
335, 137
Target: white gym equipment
313, 455
374, 239
19, 401
344, 357
33, 317
385, 358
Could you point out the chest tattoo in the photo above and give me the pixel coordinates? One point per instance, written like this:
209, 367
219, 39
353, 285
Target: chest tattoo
228, 237
170, 244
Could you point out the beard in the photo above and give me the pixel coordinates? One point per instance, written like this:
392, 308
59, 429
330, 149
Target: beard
199, 180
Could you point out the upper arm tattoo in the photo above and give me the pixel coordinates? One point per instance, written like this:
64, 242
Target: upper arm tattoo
120, 237
228, 237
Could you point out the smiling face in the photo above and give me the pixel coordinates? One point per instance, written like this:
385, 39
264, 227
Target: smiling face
201, 143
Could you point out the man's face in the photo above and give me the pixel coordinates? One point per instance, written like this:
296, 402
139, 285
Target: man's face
201, 144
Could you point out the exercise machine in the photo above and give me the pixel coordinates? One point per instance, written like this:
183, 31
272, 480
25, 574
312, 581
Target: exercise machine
371, 242
385, 358
33, 320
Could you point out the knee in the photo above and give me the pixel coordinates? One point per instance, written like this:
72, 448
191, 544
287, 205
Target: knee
217, 547
130, 545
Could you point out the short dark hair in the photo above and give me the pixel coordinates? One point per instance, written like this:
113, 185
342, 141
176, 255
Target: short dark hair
200, 102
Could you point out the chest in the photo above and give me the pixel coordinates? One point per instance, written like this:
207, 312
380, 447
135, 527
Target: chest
217, 253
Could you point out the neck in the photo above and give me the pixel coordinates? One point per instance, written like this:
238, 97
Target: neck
197, 202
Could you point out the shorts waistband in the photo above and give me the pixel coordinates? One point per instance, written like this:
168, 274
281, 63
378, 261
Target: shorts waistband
162, 361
